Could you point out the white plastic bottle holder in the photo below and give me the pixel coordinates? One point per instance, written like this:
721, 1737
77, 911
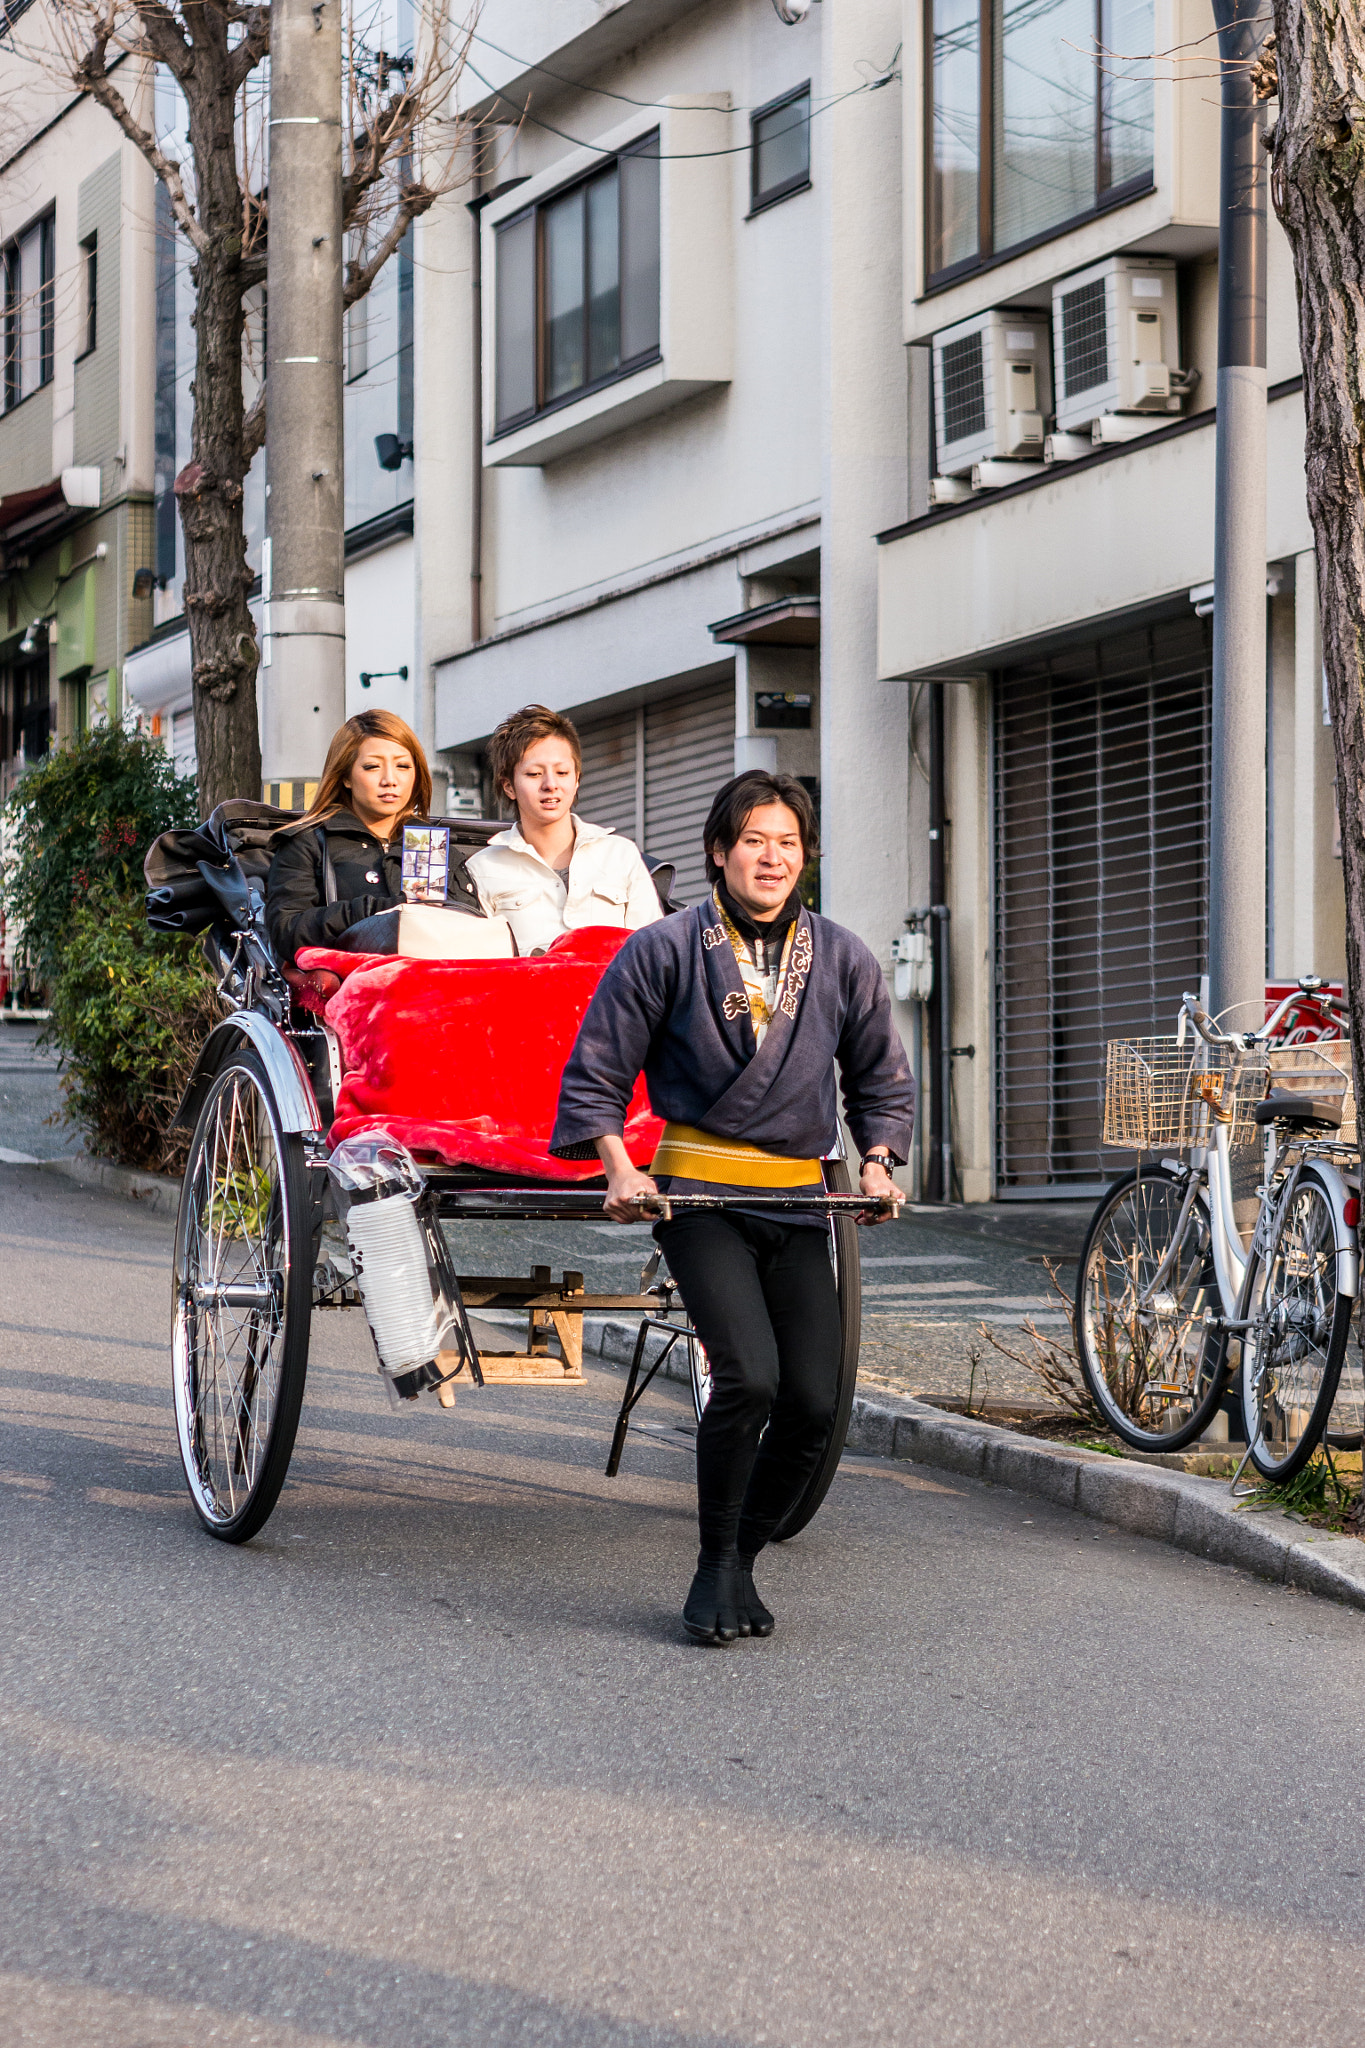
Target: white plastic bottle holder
407, 1320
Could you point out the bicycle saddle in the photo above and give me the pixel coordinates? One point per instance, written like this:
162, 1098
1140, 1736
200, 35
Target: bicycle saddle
1304, 1110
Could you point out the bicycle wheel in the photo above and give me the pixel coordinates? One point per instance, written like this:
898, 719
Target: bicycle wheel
242, 1304
843, 1232
1155, 1368
1297, 1341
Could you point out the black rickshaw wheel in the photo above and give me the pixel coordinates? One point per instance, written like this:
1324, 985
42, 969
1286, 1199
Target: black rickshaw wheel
844, 1253
242, 1302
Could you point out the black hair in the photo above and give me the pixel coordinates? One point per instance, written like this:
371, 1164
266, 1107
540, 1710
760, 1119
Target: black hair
744, 794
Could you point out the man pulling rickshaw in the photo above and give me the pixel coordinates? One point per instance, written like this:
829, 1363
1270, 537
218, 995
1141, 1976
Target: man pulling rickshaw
736, 1011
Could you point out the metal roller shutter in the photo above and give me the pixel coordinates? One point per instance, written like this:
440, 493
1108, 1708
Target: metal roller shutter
607, 792
1101, 881
685, 747
689, 753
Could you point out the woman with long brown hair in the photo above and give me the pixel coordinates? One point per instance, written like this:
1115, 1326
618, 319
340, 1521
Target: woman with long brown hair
341, 863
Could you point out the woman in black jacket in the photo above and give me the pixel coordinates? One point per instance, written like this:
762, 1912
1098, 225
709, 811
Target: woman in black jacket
342, 861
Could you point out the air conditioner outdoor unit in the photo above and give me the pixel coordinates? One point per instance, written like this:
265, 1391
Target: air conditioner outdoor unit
992, 390
1115, 340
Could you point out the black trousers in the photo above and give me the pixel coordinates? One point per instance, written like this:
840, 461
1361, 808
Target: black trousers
761, 1297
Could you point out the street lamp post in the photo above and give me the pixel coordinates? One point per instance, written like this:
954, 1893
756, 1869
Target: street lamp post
1237, 844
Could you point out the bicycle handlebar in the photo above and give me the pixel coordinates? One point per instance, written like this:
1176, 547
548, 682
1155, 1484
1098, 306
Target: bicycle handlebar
1212, 1033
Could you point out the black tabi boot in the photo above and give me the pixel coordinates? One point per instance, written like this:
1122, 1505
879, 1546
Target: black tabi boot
760, 1618
715, 1610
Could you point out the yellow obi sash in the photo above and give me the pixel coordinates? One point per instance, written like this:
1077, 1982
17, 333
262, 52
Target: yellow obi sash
701, 1155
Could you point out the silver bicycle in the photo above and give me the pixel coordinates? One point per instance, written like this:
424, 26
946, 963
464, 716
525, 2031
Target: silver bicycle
1170, 1299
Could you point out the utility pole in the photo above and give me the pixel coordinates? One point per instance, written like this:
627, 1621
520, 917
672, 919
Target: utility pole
939, 1178
303, 672
1237, 845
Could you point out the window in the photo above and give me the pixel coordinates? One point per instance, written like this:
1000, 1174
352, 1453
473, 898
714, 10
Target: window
779, 157
1029, 127
90, 264
577, 288
28, 264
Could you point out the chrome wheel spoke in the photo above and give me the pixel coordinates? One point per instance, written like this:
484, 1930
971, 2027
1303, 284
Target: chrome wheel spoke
230, 1311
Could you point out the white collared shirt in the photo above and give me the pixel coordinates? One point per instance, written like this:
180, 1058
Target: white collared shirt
608, 884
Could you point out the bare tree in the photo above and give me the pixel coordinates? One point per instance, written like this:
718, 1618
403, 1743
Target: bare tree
403, 150
1315, 60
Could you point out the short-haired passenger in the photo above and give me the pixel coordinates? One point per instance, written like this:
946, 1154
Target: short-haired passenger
340, 867
737, 1011
553, 871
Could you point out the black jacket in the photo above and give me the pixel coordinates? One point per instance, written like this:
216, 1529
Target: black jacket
368, 880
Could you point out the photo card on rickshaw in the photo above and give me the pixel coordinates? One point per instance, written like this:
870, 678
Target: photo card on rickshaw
426, 863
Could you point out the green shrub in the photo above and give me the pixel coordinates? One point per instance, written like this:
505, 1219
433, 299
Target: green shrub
81, 821
130, 1009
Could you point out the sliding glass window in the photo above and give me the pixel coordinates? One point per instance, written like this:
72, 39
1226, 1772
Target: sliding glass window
1040, 112
577, 288
29, 269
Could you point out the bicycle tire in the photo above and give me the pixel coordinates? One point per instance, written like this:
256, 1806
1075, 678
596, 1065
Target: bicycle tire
242, 1302
1116, 1339
1295, 1348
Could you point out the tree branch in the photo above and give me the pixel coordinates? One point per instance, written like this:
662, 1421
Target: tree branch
90, 74
166, 39
254, 45
253, 427
413, 201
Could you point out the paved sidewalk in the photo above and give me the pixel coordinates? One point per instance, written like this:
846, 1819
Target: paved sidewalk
32, 1125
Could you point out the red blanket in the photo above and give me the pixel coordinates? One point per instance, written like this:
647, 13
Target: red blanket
461, 1059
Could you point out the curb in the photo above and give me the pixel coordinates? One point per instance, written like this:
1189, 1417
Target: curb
148, 1188
1190, 1513
1193, 1514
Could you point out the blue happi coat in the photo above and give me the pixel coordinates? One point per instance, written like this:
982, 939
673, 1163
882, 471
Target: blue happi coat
672, 1005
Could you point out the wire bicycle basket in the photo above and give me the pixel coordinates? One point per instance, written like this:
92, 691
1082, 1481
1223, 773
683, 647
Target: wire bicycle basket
1321, 1070
1162, 1095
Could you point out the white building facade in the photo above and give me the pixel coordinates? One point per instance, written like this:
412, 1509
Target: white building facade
1064, 211
681, 320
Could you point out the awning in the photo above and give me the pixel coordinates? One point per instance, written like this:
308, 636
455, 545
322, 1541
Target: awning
21, 505
785, 622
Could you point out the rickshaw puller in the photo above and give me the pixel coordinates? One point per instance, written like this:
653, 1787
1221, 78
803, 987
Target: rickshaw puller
736, 1011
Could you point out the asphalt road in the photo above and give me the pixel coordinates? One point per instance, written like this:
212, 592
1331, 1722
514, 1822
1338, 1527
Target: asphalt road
430, 1761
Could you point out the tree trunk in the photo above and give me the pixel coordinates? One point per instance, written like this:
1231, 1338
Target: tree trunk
223, 646
1318, 186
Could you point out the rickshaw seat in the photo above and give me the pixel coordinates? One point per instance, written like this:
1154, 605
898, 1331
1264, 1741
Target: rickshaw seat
461, 1060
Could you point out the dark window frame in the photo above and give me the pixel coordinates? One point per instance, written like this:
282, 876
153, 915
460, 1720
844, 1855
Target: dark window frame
89, 246
759, 202
46, 226
542, 407
986, 255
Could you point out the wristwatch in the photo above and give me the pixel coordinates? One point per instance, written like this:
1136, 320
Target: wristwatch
878, 1159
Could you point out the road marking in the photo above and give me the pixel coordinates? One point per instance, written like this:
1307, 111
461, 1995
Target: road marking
8, 1158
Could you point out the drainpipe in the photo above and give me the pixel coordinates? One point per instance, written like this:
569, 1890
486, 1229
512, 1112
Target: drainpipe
940, 1174
1237, 796
476, 206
